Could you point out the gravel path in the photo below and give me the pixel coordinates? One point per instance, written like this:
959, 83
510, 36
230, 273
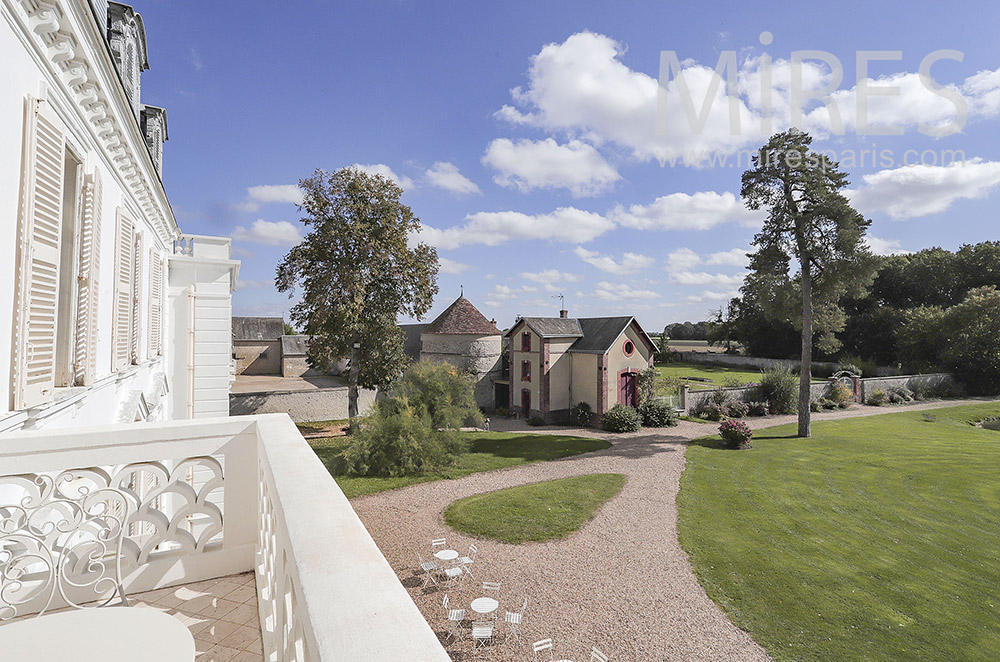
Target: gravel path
621, 583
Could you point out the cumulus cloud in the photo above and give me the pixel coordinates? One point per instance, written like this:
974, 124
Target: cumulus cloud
401, 181
247, 284
276, 193
581, 87
886, 246
566, 224
506, 292
630, 262
703, 278
452, 267
734, 257
709, 295
682, 261
608, 291
528, 165
682, 258
550, 276
446, 176
686, 211
919, 190
271, 233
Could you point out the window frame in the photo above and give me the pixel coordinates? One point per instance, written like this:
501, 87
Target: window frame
526, 341
525, 371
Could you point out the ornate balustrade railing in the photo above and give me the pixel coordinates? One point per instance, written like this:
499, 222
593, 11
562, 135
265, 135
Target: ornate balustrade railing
203, 499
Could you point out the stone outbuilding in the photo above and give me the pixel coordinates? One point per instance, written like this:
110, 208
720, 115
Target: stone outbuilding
463, 337
557, 362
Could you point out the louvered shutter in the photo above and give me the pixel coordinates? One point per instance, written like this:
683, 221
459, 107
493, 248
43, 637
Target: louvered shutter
124, 272
135, 344
38, 256
85, 364
155, 302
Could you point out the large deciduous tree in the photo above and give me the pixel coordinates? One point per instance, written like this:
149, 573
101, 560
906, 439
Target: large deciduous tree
809, 222
357, 274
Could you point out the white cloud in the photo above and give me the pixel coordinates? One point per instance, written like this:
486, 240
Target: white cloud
581, 87
682, 258
919, 190
550, 276
704, 279
630, 262
447, 176
530, 165
276, 193
886, 246
246, 284
492, 304
734, 257
505, 292
607, 291
684, 211
272, 233
712, 296
452, 267
401, 181
566, 224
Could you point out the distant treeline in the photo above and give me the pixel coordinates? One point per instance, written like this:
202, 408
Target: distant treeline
687, 331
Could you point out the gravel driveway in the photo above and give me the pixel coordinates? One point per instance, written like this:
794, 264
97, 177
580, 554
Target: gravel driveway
621, 583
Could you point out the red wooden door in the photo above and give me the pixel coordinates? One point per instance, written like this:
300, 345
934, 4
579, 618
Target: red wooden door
628, 389
526, 402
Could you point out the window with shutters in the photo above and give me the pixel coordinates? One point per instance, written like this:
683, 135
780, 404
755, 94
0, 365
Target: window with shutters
38, 256
121, 351
66, 310
135, 337
85, 359
155, 303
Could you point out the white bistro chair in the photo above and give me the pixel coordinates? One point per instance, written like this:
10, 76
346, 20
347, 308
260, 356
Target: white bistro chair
455, 616
597, 656
482, 633
467, 561
541, 647
514, 620
429, 568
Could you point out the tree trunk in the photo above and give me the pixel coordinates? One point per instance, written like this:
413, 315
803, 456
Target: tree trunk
352, 387
805, 373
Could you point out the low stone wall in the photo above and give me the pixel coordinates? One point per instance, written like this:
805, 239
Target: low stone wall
690, 399
933, 380
326, 404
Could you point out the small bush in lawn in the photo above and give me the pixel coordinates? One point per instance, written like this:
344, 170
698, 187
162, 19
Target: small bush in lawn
536, 420
580, 414
877, 398
657, 414
841, 394
757, 409
735, 433
621, 418
780, 387
738, 409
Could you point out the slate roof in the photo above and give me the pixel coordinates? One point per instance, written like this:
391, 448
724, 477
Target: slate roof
294, 345
553, 327
258, 328
411, 339
462, 317
595, 335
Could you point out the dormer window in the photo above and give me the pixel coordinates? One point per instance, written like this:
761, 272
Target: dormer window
526, 341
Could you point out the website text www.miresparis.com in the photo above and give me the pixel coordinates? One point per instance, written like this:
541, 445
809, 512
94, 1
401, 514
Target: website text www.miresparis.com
847, 158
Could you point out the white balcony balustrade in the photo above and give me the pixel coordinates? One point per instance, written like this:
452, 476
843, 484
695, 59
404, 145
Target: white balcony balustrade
216, 497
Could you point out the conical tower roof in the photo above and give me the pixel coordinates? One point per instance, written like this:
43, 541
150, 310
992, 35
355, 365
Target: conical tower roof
462, 317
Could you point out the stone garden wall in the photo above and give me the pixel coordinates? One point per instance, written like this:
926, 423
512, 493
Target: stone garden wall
767, 364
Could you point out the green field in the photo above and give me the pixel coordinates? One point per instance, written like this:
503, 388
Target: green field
716, 375
876, 539
487, 451
537, 512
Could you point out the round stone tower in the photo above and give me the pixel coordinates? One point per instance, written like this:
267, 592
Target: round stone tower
463, 337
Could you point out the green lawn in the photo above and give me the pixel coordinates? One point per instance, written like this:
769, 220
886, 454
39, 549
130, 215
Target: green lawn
876, 539
487, 450
718, 375
540, 511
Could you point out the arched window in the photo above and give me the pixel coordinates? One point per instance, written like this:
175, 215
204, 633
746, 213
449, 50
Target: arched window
525, 371
526, 341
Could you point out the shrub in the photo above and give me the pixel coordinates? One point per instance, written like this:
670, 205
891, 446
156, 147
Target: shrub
841, 394
732, 382
657, 414
581, 413
503, 412
536, 420
736, 434
902, 393
858, 365
621, 418
397, 439
814, 406
852, 368
646, 386
757, 409
827, 403
721, 397
441, 391
893, 398
780, 387
921, 392
737, 409
711, 411
877, 398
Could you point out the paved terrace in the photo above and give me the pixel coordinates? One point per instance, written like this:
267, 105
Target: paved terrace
622, 583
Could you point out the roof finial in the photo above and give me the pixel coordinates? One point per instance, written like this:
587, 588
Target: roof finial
462, 290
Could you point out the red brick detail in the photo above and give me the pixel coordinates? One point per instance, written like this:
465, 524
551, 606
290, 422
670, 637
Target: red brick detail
543, 379
602, 384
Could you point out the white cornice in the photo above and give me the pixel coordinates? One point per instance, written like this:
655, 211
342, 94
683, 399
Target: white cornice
69, 42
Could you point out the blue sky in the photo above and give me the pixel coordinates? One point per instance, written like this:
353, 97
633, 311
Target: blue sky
524, 134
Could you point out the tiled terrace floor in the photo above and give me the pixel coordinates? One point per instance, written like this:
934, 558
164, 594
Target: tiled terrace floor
221, 614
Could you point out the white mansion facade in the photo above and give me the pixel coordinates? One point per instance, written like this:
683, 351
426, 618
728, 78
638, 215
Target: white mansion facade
112, 315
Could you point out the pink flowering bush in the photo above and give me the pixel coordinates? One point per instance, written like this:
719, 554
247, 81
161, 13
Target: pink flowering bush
735, 433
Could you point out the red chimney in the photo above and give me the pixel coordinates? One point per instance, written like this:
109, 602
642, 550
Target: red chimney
564, 314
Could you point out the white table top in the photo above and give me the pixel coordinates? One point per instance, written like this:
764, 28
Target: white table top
446, 555
484, 605
104, 634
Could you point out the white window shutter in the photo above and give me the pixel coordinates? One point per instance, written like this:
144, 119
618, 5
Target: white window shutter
38, 256
135, 340
85, 363
155, 303
124, 272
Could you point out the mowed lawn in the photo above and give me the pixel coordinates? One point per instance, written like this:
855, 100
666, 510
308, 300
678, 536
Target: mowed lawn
716, 375
876, 539
487, 451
